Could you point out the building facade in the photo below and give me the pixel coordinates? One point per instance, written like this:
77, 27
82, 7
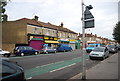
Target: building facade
90, 38
35, 34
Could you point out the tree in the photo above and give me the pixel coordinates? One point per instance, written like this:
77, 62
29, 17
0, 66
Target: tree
116, 32
3, 16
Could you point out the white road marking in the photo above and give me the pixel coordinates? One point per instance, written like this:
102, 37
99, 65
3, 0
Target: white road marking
29, 78
63, 67
49, 64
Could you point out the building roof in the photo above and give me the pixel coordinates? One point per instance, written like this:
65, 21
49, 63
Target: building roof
47, 25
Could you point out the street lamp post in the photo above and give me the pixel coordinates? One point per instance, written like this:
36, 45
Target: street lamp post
87, 22
83, 43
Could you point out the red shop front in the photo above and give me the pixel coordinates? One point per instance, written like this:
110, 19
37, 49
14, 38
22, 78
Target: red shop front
36, 42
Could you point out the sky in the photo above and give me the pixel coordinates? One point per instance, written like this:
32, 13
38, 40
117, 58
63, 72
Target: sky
69, 12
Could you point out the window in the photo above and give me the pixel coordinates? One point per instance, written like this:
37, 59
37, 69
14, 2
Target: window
6, 70
60, 34
35, 31
53, 33
47, 32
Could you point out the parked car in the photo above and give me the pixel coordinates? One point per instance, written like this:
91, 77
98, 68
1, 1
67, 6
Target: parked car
63, 47
112, 48
5, 53
91, 47
11, 70
25, 50
99, 52
118, 46
48, 50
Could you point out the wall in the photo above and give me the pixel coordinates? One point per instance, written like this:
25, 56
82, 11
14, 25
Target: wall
14, 32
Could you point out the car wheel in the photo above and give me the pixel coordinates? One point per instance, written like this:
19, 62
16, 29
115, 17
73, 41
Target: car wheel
91, 58
64, 50
36, 53
46, 52
103, 57
8, 55
55, 51
22, 54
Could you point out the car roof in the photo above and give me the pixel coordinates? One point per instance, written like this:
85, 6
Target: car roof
101, 47
23, 46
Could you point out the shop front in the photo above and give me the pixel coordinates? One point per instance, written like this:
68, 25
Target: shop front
77, 46
50, 41
72, 43
36, 42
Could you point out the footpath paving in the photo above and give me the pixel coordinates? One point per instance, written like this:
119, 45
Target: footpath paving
106, 69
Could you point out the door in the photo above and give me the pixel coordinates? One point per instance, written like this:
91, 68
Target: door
36, 44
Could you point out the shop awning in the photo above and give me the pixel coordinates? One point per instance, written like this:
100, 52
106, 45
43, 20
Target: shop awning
51, 42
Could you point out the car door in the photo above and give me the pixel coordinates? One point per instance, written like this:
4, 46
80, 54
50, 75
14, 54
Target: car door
106, 52
30, 50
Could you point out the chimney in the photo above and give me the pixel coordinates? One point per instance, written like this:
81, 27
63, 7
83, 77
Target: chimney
5, 17
36, 18
62, 24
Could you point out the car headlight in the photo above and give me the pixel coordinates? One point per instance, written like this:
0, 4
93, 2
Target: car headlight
113, 49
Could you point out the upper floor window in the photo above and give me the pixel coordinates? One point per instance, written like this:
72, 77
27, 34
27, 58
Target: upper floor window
35, 31
53, 33
47, 32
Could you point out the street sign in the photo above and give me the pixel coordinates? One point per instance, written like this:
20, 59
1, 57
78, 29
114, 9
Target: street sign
89, 23
87, 14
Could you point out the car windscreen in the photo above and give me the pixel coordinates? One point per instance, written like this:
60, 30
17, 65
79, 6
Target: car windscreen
98, 49
59, 45
112, 46
49, 48
0, 49
28, 48
91, 46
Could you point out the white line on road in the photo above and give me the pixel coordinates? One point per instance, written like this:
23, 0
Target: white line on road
63, 67
29, 78
49, 64
76, 58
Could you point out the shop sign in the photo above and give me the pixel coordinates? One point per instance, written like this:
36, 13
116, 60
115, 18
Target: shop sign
46, 38
64, 40
55, 38
36, 38
73, 40
50, 38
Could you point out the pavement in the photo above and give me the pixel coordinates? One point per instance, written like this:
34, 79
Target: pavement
106, 69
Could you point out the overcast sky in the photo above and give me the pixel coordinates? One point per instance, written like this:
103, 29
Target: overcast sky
69, 12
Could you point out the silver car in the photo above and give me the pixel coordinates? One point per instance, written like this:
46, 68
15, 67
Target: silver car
99, 52
48, 50
112, 48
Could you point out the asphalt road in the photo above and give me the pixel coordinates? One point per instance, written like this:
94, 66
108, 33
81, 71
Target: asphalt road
62, 65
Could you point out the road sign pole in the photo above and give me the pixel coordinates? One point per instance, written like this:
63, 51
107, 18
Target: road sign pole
83, 44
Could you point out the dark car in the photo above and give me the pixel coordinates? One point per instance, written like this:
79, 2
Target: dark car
118, 46
63, 47
48, 50
112, 48
11, 70
25, 50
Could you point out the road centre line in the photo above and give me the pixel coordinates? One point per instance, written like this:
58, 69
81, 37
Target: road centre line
63, 67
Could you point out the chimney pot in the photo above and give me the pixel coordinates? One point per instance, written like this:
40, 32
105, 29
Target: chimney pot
36, 18
62, 24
